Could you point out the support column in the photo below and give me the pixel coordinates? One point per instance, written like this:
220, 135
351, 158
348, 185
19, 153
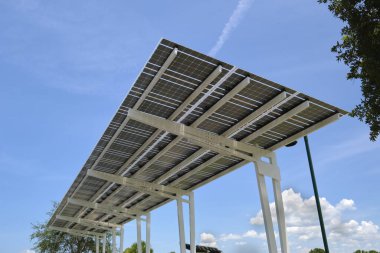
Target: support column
280, 215
114, 240
97, 244
263, 167
147, 223
138, 223
121, 239
104, 243
181, 226
268, 223
192, 222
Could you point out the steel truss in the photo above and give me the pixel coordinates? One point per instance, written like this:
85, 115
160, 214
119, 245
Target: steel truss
222, 144
227, 146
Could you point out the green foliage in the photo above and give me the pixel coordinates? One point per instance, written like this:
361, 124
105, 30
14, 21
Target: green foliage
317, 250
49, 241
133, 248
359, 49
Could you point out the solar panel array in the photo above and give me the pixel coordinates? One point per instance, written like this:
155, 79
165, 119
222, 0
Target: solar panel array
188, 87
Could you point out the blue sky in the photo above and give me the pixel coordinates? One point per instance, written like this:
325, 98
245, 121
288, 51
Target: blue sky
65, 66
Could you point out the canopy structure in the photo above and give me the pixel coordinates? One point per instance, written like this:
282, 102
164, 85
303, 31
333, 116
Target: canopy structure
187, 120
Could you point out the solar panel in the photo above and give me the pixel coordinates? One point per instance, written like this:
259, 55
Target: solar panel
187, 87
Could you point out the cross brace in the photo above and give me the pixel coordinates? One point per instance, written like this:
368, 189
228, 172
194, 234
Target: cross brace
200, 137
75, 231
100, 224
139, 185
109, 209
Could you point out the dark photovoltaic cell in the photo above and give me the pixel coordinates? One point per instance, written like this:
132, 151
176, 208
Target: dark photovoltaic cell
139, 151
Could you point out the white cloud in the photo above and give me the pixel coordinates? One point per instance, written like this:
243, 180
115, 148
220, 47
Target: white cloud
208, 239
303, 226
28, 251
232, 23
229, 237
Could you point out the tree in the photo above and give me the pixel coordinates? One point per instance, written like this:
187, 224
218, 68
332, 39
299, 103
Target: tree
49, 241
359, 48
317, 250
133, 248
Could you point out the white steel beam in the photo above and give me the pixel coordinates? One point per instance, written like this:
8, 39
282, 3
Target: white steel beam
114, 240
206, 139
280, 119
192, 223
104, 243
76, 231
97, 244
280, 212
138, 227
181, 226
147, 231
121, 250
87, 224
142, 186
264, 109
307, 131
280, 215
268, 223
109, 209
243, 84
100, 224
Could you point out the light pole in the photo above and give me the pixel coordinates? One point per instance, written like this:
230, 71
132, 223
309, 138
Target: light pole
316, 194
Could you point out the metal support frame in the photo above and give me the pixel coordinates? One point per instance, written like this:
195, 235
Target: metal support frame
161, 190
75, 231
108, 209
264, 109
139, 185
227, 146
268, 223
138, 227
121, 240
200, 137
181, 225
89, 223
104, 243
97, 244
222, 144
147, 230
114, 240
147, 235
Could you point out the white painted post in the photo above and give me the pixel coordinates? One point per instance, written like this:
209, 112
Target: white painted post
280, 215
114, 240
147, 223
138, 223
121, 239
181, 228
192, 222
97, 244
266, 212
104, 243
